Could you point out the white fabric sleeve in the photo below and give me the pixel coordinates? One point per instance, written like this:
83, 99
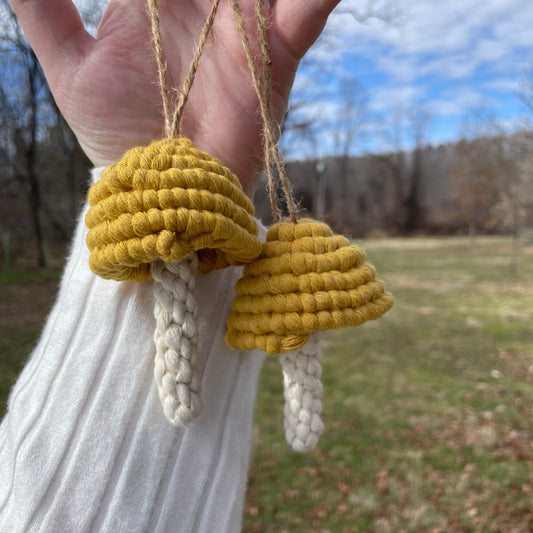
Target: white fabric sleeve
85, 447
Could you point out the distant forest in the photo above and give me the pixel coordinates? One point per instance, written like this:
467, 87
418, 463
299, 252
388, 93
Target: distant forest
482, 185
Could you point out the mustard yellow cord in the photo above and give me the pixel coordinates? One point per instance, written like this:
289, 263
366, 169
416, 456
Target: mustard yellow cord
306, 279
164, 201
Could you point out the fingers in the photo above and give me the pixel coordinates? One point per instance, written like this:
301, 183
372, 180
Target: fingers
300, 22
54, 30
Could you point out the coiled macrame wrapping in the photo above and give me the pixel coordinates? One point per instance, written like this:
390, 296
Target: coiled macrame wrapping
169, 210
306, 279
163, 202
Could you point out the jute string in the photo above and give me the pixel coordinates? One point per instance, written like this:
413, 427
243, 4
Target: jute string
153, 10
262, 82
173, 120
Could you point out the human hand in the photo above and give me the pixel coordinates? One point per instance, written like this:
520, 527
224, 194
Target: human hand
106, 86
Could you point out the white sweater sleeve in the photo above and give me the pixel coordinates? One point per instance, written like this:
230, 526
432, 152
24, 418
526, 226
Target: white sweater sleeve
85, 447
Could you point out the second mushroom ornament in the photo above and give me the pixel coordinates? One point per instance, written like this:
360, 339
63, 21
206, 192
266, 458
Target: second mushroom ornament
306, 279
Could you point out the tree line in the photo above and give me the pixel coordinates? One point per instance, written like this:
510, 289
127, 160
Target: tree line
480, 185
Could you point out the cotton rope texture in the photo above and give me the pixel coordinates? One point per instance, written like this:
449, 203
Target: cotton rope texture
167, 211
302, 390
302, 429
306, 279
176, 315
166, 201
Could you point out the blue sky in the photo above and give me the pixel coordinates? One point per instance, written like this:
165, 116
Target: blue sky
445, 58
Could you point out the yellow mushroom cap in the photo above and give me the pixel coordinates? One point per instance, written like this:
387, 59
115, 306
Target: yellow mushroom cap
164, 201
306, 279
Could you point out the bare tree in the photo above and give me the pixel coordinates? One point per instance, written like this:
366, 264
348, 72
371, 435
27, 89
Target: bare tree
346, 126
394, 163
29, 114
475, 170
472, 179
317, 87
331, 143
515, 185
22, 115
406, 132
414, 211
514, 206
525, 93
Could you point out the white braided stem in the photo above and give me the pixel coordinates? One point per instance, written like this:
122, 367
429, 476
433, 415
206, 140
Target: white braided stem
176, 339
302, 389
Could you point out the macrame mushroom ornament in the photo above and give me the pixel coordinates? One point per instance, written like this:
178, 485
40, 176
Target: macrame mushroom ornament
166, 211
305, 280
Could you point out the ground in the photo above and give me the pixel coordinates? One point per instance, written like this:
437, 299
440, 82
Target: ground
428, 411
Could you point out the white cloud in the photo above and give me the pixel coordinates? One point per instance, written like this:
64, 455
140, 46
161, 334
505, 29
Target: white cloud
485, 30
448, 57
459, 102
396, 97
506, 85
492, 50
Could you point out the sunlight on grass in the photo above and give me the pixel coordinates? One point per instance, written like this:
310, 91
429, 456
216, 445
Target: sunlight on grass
429, 411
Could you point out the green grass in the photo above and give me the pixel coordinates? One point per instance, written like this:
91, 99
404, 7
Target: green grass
15, 277
25, 298
428, 411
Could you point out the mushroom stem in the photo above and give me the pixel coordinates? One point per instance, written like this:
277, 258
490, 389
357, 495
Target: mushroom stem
176, 339
302, 390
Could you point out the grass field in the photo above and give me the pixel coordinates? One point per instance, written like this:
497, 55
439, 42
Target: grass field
429, 411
